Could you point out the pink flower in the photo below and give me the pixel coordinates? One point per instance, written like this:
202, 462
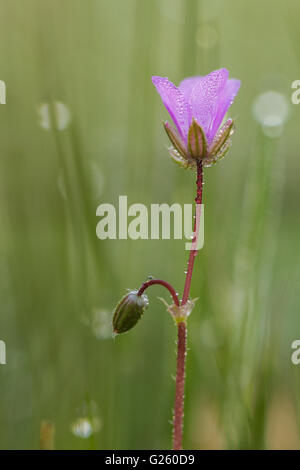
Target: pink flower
197, 108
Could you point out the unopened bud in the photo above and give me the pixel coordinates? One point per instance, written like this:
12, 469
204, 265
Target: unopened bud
128, 311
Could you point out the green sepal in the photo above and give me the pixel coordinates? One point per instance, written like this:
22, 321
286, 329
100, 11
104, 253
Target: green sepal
176, 157
196, 141
221, 138
175, 140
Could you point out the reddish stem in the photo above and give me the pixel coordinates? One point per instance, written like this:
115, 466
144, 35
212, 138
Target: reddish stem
193, 252
179, 392
165, 284
181, 344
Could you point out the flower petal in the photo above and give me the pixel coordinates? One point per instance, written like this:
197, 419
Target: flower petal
204, 99
226, 99
186, 86
175, 103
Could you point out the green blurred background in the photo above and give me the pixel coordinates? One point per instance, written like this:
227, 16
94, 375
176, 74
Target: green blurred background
82, 125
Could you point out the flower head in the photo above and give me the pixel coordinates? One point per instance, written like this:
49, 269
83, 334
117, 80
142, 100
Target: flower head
197, 108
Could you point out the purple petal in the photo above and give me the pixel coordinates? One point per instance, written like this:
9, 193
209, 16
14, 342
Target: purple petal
225, 101
175, 103
187, 85
204, 99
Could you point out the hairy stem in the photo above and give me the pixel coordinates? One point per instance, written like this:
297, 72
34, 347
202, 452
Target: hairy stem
165, 284
193, 252
179, 391
181, 325
181, 343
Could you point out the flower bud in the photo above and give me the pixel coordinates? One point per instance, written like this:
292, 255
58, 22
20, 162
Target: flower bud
128, 311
